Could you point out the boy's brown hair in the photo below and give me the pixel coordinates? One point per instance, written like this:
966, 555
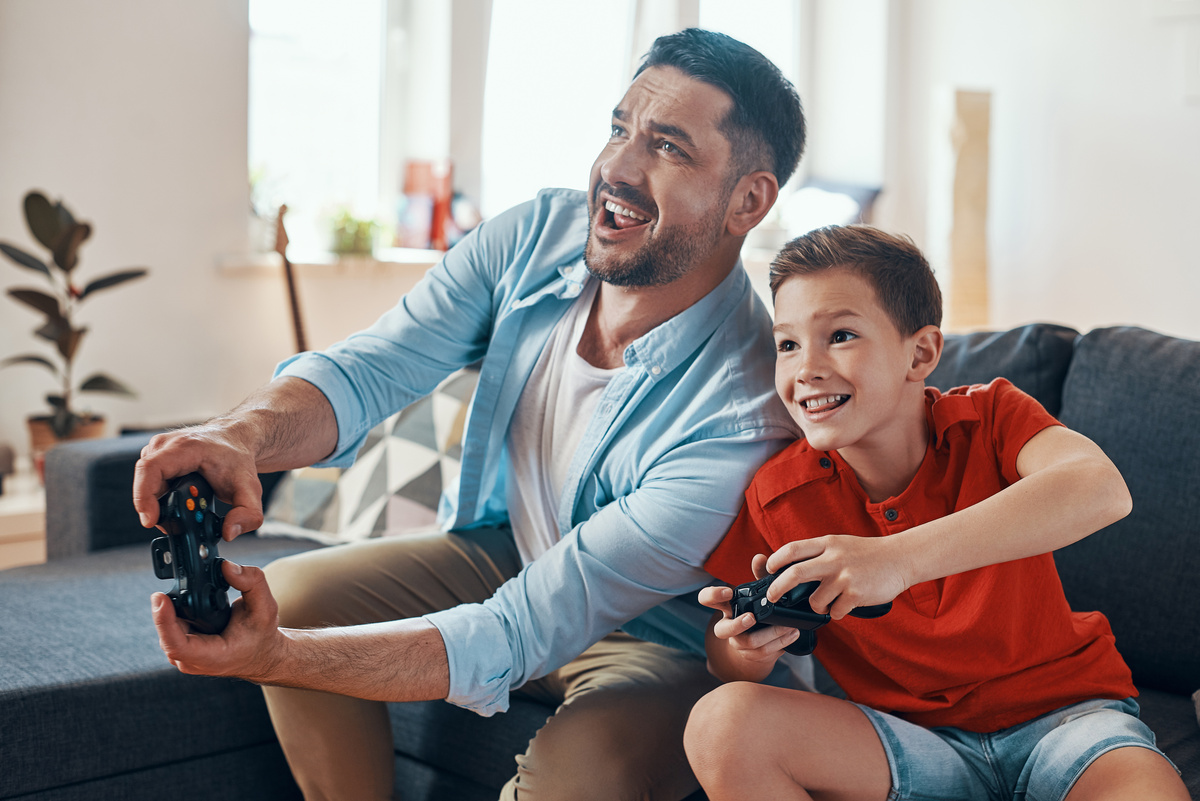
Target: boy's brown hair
903, 281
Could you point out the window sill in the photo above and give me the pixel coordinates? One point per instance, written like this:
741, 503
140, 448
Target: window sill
385, 261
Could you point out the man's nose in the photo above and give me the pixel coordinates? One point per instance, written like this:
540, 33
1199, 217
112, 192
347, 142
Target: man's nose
623, 164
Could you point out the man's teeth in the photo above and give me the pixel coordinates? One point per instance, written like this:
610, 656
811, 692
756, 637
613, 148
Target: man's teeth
615, 209
817, 403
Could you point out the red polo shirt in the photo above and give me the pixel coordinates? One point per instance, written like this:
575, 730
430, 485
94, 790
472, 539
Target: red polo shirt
981, 650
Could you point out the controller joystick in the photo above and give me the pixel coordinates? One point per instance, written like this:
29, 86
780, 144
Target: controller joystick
188, 554
792, 610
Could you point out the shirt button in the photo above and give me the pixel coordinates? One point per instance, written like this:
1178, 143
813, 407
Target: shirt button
656, 369
891, 515
826, 463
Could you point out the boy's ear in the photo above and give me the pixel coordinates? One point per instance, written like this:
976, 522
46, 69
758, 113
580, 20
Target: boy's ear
927, 346
752, 198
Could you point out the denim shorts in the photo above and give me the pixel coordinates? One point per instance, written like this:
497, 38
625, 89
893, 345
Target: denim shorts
1039, 760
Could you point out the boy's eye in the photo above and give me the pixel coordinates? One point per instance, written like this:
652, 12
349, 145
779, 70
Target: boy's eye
843, 336
786, 345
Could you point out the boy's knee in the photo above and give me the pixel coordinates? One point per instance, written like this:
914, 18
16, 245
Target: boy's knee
716, 724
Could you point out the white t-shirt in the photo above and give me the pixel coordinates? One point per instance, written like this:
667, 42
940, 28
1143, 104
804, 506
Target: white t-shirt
546, 427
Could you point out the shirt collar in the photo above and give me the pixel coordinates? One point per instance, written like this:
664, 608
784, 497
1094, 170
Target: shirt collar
665, 347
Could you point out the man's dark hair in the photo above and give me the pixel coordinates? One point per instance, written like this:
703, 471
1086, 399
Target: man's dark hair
904, 284
765, 127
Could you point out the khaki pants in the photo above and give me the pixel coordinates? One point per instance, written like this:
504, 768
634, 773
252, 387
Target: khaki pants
622, 705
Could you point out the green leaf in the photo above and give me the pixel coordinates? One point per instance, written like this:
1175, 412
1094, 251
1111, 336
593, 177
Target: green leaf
66, 250
30, 359
112, 280
102, 383
43, 219
46, 304
24, 259
55, 329
56, 401
67, 345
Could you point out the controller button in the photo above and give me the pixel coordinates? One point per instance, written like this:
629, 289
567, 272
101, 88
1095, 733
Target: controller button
891, 515
194, 491
166, 557
199, 517
204, 503
191, 505
203, 551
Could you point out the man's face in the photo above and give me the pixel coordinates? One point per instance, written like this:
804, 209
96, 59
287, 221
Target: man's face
660, 188
841, 364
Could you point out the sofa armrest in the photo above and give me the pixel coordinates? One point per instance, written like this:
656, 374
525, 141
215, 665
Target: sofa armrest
89, 495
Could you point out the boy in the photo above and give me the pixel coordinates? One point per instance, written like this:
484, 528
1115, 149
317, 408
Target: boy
980, 682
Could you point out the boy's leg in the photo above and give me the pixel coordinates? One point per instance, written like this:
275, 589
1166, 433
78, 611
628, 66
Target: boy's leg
1129, 772
340, 747
753, 741
618, 733
1093, 750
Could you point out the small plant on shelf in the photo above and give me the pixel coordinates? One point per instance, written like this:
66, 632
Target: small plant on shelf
56, 228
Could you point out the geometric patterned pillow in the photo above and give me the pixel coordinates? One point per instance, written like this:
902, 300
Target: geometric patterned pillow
396, 480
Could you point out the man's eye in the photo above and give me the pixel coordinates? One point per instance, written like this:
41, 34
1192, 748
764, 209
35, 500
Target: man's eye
843, 336
617, 131
669, 147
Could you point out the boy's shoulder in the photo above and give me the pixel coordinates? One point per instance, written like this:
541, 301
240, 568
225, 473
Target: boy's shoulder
793, 467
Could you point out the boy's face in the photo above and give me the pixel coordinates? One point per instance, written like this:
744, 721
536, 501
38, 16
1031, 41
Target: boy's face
842, 367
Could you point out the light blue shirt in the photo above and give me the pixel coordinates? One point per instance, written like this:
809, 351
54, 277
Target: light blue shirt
658, 476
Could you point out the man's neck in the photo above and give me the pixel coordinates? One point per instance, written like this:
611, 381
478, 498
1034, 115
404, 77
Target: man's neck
621, 315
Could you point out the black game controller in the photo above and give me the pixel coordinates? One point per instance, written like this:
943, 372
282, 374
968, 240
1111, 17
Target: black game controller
188, 554
791, 610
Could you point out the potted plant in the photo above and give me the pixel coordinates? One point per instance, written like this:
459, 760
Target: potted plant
56, 228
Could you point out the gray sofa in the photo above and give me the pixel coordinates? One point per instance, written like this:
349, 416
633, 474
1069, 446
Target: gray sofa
90, 709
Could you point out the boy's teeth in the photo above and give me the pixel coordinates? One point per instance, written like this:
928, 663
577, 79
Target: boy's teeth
615, 209
816, 403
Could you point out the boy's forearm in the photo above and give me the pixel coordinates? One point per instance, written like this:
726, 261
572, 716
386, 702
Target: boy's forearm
1044, 511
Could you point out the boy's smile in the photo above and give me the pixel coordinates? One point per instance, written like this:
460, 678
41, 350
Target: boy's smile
844, 370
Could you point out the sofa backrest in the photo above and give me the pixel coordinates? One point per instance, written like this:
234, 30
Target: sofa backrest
1136, 394
1034, 357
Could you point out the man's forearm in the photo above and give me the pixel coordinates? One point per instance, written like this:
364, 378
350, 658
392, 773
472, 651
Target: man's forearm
403, 660
286, 424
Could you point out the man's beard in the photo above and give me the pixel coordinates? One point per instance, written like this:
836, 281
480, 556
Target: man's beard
667, 257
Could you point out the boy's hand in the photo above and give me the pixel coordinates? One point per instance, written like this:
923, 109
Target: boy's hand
853, 571
764, 646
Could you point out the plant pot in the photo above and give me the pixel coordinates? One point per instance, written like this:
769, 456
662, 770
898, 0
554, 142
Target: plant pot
42, 437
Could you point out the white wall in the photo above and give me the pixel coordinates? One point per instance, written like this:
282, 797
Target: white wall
1095, 153
134, 112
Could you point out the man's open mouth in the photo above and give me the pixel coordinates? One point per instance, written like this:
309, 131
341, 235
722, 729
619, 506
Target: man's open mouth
621, 217
825, 404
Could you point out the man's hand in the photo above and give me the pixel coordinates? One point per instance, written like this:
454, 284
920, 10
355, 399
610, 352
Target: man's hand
212, 450
251, 645
853, 571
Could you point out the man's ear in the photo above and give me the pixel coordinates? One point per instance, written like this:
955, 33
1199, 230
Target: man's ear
927, 346
752, 198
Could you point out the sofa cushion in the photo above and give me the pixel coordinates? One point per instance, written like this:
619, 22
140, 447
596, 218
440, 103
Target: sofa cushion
86, 694
396, 480
1136, 394
1034, 357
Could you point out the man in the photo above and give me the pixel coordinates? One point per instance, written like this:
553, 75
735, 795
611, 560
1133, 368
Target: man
625, 400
